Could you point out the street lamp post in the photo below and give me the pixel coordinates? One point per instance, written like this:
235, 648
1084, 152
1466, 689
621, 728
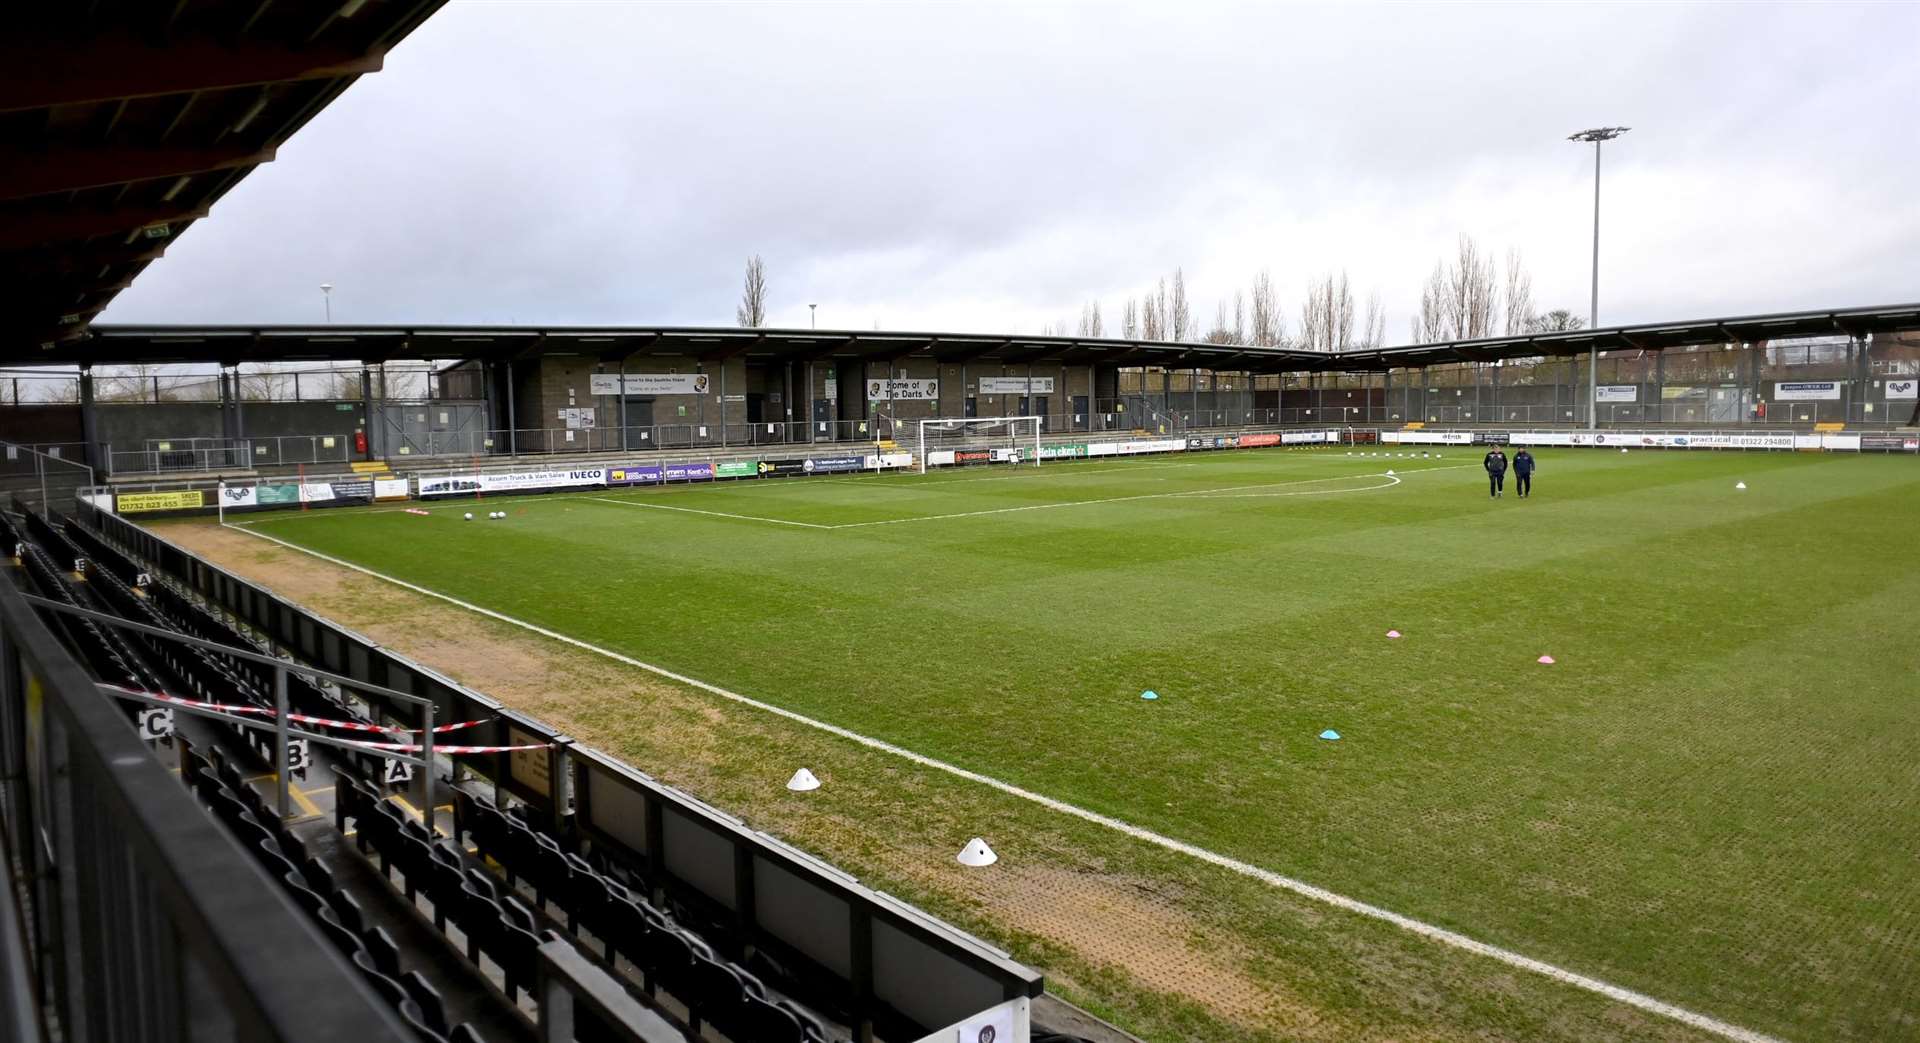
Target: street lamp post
812, 322
326, 294
1595, 135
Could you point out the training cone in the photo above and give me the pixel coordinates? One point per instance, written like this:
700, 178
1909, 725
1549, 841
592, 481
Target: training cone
1330, 735
1393, 633
1623, 448
1149, 694
977, 853
1739, 485
803, 781
1545, 659
1389, 472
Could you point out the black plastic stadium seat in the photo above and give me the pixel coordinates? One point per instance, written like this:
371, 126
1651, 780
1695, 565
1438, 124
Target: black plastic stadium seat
347, 909
465, 1033
345, 940
386, 954
428, 998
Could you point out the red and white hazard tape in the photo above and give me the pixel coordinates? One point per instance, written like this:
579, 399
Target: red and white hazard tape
414, 747
356, 726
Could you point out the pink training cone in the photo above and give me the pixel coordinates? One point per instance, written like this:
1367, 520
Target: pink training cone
1547, 659
1393, 633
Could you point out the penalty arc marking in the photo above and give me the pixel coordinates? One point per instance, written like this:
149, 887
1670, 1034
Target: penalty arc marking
1442, 935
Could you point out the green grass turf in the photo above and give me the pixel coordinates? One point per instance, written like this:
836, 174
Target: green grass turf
1711, 797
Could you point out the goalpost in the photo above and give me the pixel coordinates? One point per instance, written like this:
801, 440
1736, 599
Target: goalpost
996, 439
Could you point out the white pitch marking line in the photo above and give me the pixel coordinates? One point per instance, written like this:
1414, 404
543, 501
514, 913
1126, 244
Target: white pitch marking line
1129, 499
918, 482
1319, 894
716, 514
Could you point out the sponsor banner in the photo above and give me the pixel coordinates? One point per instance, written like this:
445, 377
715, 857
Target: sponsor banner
1256, 441
972, 456
1806, 390
1682, 391
239, 496
316, 492
1890, 443
1368, 437
132, 503
360, 491
390, 489
649, 383
1492, 438
775, 468
1103, 449
737, 469
827, 464
903, 390
1010, 455
1660, 439
513, 481
1062, 452
1906, 388
635, 474
1617, 393
886, 460
266, 495
1428, 437
1015, 386
1840, 443
940, 458
1298, 437
689, 472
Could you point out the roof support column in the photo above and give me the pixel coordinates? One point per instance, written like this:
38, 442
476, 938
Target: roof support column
89, 421
809, 417
1660, 387
366, 408
513, 437
723, 403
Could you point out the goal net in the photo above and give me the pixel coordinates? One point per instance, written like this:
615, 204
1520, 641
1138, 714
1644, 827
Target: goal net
944, 442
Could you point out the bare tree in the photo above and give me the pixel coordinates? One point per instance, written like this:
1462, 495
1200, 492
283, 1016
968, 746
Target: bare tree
1519, 295
1221, 333
1556, 321
1373, 329
1463, 299
1268, 329
1180, 322
1090, 324
1326, 316
1153, 316
753, 294
1130, 320
1239, 318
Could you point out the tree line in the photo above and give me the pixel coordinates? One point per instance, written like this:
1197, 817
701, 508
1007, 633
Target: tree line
1467, 296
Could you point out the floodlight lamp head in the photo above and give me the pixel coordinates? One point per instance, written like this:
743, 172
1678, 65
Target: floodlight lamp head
326, 287
1599, 134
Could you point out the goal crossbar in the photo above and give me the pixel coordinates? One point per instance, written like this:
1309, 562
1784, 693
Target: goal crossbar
1014, 439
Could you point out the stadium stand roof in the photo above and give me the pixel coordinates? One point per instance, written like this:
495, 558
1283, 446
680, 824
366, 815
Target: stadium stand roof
113, 344
122, 124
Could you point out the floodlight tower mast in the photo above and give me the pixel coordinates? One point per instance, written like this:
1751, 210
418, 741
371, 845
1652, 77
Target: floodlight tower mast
1595, 135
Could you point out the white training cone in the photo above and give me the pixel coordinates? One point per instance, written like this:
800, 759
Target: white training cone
803, 781
1389, 472
469, 516
977, 853
1393, 633
1623, 448
1546, 659
1739, 485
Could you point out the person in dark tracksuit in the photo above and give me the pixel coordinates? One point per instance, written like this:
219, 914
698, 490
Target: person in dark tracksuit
1522, 472
1496, 465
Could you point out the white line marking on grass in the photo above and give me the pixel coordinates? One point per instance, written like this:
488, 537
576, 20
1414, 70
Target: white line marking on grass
716, 514
1319, 894
1139, 496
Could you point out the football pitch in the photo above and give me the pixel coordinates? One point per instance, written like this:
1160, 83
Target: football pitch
1711, 796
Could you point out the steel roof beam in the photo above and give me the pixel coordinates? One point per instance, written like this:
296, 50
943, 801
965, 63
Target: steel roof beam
65, 168
43, 71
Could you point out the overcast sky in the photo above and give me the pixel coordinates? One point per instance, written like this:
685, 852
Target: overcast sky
992, 167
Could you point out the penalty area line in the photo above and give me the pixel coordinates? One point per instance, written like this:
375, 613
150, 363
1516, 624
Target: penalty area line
1446, 937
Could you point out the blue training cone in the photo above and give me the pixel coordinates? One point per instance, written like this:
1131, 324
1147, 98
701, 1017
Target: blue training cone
1149, 694
1330, 734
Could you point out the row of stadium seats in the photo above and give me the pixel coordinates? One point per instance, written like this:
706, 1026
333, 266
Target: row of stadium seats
714, 991
98, 581
370, 947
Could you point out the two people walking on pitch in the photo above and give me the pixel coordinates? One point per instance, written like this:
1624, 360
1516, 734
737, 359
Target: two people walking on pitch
1496, 465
